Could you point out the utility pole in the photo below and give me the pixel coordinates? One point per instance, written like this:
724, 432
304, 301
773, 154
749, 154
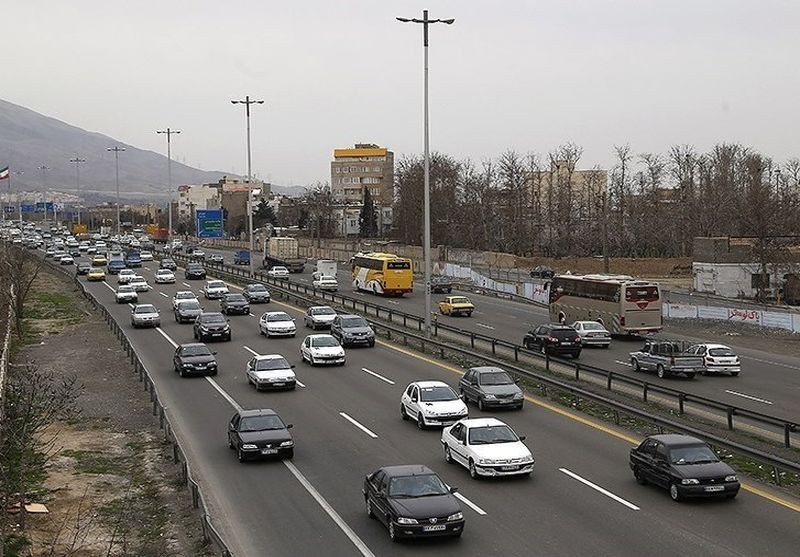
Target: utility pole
78, 161
247, 102
427, 192
117, 150
168, 132
44, 169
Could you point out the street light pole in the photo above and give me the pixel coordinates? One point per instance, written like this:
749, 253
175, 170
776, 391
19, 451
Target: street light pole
247, 102
117, 150
427, 183
77, 160
168, 132
44, 169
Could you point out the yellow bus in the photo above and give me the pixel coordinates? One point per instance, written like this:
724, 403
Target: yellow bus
624, 305
382, 273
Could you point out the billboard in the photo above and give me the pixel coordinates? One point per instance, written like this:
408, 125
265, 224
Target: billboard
208, 223
10, 209
44, 207
28, 208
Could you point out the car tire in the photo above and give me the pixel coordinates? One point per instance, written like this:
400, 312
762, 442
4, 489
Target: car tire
228, 338
240, 455
448, 458
731, 495
392, 534
577, 354
368, 507
640, 479
661, 372
635, 365
734, 374
403, 414
230, 443
311, 361
181, 373
473, 471
371, 344
213, 373
674, 493
481, 406
690, 376
290, 454
420, 421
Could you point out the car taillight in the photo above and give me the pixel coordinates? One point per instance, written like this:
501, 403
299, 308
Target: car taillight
622, 320
577, 340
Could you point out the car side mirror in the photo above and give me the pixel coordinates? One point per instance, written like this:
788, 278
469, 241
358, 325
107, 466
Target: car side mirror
227, 320
230, 427
522, 437
462, 397
214, 353
293, 366
516, 381
453, 489
289, 426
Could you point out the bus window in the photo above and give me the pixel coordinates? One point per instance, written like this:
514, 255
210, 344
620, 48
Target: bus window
641, 294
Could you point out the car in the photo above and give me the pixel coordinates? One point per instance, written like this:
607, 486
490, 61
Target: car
83, 268
96, 274
259, 433
592, 333
717, 358
319, 317
431, 403
91, 250
667, 357
241, 257
198, 254
327, 283
194, 271
99, 261
126, 294
441, 284
194, 358
270, 371
486, 447
412, 501
542, 271
352, 329
187, 311
125, 275
215, 289
684, 465
146, 255
74, 252
278, 272
322, 349
553, 338
256, 293
182, 295
456, 305
49, 252
490, 386
215, 258
211, 325
169, 263
145, 315
234, 303
66, 260
83, 246
133, 259
277, 323
139, 284
165, 276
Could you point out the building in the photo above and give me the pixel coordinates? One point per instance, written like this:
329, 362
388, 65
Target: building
586, 186
192, 198
364, 166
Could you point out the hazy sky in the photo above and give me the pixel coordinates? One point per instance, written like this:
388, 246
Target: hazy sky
526, 75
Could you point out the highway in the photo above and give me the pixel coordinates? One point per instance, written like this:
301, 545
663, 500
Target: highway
581, 500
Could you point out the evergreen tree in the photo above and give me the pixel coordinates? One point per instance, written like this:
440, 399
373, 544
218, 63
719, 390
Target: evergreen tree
367, 220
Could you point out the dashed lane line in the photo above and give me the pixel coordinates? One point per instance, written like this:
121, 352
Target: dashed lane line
378, 375
599, 489
749, 397
358, 425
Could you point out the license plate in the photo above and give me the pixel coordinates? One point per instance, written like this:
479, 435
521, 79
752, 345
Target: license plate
216, 334
566, 343
279, 384
508, 468
715, 488
269, 451
436, 528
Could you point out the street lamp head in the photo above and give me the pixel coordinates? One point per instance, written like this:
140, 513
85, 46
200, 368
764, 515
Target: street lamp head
235, 102
403, 19
259, 102
448, 21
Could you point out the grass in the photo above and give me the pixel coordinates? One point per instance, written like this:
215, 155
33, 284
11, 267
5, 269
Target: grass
50, 305
97, 462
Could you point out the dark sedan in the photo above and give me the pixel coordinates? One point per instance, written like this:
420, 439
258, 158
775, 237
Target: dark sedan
352, 329
211, 325
490, 387
441, 284
169, 263
554, 339
187, 311
234, 303
542, 272
259, 433
256, 294
412, 502
83, 268
684, 465
194, 358
194, 271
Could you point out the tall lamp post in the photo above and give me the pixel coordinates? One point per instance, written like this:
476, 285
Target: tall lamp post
78, 161
427, 184
247, 102
117, 150
169, 132
44, 169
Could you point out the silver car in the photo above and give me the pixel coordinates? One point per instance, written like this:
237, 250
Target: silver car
145, 315
319, 317
592, 333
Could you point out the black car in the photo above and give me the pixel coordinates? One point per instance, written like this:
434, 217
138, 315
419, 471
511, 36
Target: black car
684, 465
542, 272
259, 433
188, 311
83, 268
194, 358
215, 258
211, 325
441, 283
412, 502
352, 329
489, 386
554, 339
194, 271
234, 303
256, 294
169, 263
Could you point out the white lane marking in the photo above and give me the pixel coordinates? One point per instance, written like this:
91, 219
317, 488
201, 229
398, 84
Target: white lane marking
360, 545
378, 375
251, 315
470, 504
596, 487
358, 425
147, 268
620, 362
254, 353
163, 294
395, 302
485, 326
302, 279
131, 306
166, 336
770, 362
750, 397
109, 287
225, 395
186, 284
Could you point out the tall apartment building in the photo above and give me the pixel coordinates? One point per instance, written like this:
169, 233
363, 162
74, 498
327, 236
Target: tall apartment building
365, 165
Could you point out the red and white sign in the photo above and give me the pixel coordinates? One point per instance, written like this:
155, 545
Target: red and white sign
745, 315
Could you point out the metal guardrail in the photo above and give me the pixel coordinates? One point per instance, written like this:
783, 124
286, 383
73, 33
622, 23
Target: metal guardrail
210, 533
681, 399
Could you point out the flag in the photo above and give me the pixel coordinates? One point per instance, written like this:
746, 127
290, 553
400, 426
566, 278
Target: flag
3, 173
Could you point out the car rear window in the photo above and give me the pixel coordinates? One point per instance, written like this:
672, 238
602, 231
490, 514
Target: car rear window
721, 352
563, 334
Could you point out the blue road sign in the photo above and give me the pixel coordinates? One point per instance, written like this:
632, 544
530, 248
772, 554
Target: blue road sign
209, 223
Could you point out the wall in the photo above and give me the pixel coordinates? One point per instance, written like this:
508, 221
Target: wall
734, 280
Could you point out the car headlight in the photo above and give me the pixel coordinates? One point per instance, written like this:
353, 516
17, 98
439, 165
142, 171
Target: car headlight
690, 481
486, 461
731, 478
188, 365
517, 396
456, 516
489, 397
249, 446
204, 328
404, 520
287, 443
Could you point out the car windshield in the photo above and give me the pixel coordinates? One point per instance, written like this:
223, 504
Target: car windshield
183, 295
592, 326
323, 311
271, 364
125, 288
195, 267
280, 269
164, 272
260, 423
417, 486
144, 309
720, 352
216, 284
353, 322
189, 305
195, 350
495, 378
168, 261
278, 317
127, 273
235, 298
696, 454
490, 434
324, 342
437, 394
256, 288
218, 318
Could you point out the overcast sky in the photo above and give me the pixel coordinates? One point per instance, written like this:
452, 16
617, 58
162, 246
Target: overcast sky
527, 75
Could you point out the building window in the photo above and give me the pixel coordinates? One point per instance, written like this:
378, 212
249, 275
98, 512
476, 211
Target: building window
757, 280
356, 180
353, 169
376, 168
338, 170
345, 169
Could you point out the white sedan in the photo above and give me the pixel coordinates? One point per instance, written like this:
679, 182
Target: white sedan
270, 371
486, 447
146, 256
432, 403
66, 260
165, 276
592, 333
182, 295
322, 349
326, 282
277, 323
717, 358
139, 284
278, 272
125, 275
215, 289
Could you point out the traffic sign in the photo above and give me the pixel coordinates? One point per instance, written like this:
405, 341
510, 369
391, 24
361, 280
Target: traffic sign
208, 223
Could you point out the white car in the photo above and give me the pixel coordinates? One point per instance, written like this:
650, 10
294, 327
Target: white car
276, 323
486, 447
125, 275
432, 403
91, 250
66, 260
146, 256
326, 282
592, 333
322, 349
717, 358
165, 276
319, 317
215, 289
139, 284
126, 294
182, 295
278, 272
271, 371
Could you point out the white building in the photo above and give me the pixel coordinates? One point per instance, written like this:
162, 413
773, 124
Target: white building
192, 198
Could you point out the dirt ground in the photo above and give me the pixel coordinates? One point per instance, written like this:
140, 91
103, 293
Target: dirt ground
770, 340
112, 489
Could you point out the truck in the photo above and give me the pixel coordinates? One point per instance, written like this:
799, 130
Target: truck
157, 234
241, 257
666, 357
325, 267
282, 251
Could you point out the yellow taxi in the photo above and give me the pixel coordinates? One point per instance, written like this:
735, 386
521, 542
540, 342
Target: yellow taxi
456, 305
96, 274
99, 260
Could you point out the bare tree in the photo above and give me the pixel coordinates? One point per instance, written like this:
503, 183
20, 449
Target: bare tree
19, 269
